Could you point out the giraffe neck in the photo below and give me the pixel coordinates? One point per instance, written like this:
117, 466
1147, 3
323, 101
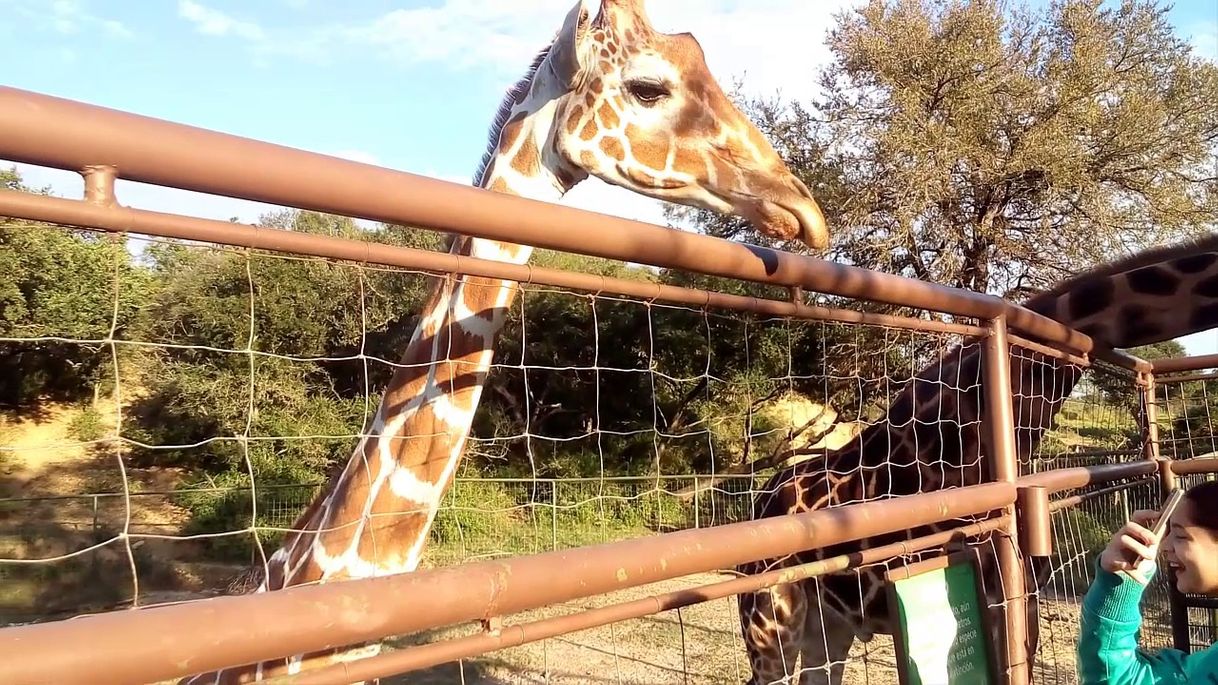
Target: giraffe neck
374, 516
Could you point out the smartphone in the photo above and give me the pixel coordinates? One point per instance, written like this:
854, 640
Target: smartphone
1165, 512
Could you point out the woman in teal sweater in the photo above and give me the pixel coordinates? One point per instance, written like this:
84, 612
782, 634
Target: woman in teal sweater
1108, 651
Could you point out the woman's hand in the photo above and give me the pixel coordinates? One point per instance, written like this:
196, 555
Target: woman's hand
1132, 544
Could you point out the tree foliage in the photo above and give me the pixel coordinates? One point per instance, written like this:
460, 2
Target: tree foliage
998, 148
61, 284
962, 142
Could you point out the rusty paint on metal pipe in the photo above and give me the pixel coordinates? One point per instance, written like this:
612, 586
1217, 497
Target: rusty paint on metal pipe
99, 185
414, 658
1122, 359
1187, 378
1181, 364
1035, 531
1059, 480
123, 219
65, 134
1000, 419
1149, 417
146, 645
1048, 351
1075, 500
1187, 467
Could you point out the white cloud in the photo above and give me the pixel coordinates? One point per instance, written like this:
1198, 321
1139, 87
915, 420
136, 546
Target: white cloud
68, 17
773, 45
213, 22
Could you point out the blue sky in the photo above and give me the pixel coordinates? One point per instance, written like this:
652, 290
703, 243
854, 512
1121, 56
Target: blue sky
406, 84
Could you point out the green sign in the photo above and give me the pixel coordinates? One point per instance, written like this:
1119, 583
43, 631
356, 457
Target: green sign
941, 634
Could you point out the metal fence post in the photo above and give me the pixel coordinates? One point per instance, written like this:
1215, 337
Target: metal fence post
1176, 602
554, 514
1000, 437
697, 515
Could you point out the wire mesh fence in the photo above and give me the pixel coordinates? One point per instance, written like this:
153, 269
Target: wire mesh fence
261, 371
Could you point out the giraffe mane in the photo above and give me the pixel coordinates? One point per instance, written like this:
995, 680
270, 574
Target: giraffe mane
510, 98
1135, 261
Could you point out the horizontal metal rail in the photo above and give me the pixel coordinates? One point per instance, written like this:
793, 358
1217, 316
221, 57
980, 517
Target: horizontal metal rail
1181, 364
1187, 467
147, 645
1075, 500
1186, 378
1058, 480
414, 658
65, 134
124, 219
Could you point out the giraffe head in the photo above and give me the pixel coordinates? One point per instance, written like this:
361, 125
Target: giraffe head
639, 109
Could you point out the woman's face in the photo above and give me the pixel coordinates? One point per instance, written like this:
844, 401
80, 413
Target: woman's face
1192, 552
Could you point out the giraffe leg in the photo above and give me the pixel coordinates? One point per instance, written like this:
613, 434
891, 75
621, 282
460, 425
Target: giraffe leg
827, 639
772, 623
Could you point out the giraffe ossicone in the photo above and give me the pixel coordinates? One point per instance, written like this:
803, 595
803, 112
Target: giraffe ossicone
612, 98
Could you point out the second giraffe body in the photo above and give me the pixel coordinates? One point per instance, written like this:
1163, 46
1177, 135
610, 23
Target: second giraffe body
932, 439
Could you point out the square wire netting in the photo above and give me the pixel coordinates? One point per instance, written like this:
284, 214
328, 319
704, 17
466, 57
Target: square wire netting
194, 398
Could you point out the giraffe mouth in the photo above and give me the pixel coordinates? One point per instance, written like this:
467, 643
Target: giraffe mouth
801, 221
785, 210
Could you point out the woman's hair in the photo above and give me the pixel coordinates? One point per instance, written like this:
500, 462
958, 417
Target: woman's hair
1204, 498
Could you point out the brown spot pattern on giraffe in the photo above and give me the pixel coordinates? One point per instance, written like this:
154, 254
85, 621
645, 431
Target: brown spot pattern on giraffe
1152, 280
613, 148
650, 151
607, 116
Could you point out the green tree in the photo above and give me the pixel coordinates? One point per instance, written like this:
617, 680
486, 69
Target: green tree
998, 148
274, 347
61, 283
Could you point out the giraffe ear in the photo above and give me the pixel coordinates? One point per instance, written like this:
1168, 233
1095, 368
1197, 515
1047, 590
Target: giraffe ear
564, 53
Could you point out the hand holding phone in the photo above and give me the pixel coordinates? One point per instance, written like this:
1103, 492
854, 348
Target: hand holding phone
1137, 562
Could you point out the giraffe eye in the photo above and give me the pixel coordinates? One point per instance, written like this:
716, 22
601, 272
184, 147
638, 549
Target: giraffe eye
647, 92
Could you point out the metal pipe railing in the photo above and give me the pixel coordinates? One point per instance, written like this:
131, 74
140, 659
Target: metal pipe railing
1001, 451
159, 224
150, 645
1181, 364
413, 658
65, 134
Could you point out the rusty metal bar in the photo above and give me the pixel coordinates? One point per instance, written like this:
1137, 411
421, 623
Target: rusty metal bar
414, 658
1188, 378
1000, 422
123, 219
1180, 364
1075, 500
1058, 480
1188, 467
146, 645
1167, 477
1149, 417
1053, 352
1035, 531
55, 132
1085, 454
1122, 359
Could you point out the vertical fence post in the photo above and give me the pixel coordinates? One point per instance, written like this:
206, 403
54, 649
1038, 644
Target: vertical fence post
697, 514
1000, 437
554, 514
1176, 604
1150, 415
96, 534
